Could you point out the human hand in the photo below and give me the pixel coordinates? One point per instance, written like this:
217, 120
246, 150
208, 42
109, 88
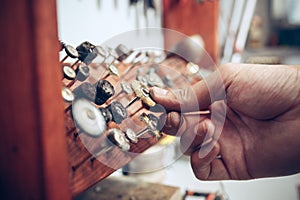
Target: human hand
252, 130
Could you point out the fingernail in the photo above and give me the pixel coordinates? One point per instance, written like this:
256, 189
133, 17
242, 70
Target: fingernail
159, 91
210, 130
173, 123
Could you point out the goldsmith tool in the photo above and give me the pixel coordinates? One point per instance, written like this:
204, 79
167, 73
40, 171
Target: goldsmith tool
114, 112
114, 137
70, 51
86, 90
152, 123
104, 90
111, 70
142, 92
88, 118
87, 52
67, 94
82, 73
123, 52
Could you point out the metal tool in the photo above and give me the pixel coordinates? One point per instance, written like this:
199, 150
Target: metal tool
67, 94
68, 72
152, 123
130, 59
104, 90
192, 70
114, 112
87, 52
131, 135
121, 139
86, 90
123, 52
102, 51
111, 57
70, 51
142, 93
112, 70
88, 118
115, 137
82, 73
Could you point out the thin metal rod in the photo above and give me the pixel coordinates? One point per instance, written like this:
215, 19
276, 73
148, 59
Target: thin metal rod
136, 112
142, 132
99, 153
65, 58
73, 66
107, 75
131, 102
71, 83
68, 108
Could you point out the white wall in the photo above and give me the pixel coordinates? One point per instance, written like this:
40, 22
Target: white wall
81, 20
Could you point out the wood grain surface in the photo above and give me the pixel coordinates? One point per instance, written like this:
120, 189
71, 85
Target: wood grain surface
32, 147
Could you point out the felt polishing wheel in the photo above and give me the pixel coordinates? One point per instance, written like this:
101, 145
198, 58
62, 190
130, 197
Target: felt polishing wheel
88, 118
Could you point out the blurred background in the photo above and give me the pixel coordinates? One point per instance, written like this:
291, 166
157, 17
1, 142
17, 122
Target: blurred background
254, 31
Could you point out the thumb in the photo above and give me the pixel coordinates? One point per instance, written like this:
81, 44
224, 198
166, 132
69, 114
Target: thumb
192, 98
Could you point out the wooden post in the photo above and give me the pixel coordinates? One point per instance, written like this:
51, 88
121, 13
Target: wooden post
33, 158
190, 17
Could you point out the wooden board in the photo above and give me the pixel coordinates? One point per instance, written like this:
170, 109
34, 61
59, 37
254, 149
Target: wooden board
32, 146
189, 17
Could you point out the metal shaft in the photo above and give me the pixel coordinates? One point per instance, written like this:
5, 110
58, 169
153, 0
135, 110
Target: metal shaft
65, 58
131, 102
71, 83
99, 153
142, 132
73, 65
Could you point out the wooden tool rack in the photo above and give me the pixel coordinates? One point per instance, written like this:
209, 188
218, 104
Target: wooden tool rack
35, 155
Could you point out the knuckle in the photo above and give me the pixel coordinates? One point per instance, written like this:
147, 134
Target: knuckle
173, 123
204, 126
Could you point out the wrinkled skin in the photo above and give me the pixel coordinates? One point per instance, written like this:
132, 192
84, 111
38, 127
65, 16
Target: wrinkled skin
261, 133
